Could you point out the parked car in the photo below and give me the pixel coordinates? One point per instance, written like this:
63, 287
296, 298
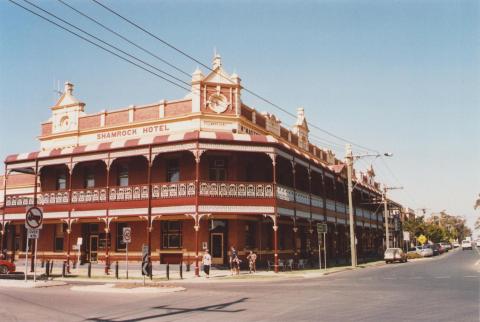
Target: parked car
395, 254
6, 267
446, 245
424, 251
478, 242
466, 244
456, 244
436, 249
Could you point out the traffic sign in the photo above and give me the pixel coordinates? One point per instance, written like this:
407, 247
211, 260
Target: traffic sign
421, 239
33, 233
34, 218
127, 235
321, 228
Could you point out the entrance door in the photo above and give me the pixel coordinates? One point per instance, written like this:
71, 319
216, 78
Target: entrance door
216, 243
93, 248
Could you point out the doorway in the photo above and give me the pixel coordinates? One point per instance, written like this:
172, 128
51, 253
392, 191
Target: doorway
93, 253
216, 242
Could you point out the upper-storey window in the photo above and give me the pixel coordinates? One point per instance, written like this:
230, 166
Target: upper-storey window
123, 175
218, 170
89, 179
61, 183
173, 170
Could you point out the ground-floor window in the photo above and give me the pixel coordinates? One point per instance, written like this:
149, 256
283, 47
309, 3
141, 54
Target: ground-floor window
172, 234
250, 233
58, 238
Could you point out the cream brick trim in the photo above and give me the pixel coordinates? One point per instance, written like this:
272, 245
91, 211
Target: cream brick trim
235, 209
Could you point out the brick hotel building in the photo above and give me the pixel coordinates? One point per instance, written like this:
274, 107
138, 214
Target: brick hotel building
202, 171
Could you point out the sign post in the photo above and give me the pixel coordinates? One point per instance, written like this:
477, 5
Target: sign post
79, 248
127, 239
33, 223
322, 229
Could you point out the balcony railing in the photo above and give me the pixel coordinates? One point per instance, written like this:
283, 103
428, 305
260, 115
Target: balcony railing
236, 189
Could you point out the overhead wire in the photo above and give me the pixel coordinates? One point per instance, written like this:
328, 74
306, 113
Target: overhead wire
210, 69
124, 38
99, 46
106, 43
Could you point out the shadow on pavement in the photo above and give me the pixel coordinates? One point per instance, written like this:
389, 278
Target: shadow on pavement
219, 308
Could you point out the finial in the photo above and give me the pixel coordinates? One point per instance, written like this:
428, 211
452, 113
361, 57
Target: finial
68, 88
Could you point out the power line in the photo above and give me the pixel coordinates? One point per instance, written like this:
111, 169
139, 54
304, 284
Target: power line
124, 38
106, 43
208, 67
99, 46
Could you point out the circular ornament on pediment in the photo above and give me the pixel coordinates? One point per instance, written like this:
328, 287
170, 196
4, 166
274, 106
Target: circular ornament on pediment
218, 103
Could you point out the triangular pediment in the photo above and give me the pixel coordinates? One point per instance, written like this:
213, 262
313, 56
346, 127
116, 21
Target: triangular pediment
220, 76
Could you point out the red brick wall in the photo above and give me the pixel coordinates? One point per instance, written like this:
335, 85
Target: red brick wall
89, 122
146, 113
178, 108
116, 118
46, 129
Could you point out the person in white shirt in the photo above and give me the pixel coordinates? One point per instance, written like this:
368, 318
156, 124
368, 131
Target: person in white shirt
207, 262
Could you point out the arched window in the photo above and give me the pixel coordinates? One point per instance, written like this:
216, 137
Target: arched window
61, 183
89, 179
123, 175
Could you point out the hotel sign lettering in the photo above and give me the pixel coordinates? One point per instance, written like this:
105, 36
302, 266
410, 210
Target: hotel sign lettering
145, 130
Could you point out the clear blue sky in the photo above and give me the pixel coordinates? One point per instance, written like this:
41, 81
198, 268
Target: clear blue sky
398, 76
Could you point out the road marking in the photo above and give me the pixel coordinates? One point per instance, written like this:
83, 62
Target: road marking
389, 278
471, 276
442, 276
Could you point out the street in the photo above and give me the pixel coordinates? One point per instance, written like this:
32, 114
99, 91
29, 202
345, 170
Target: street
444, 288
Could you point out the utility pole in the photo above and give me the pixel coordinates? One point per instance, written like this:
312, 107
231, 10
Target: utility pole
386, 215
353, 247
349, 159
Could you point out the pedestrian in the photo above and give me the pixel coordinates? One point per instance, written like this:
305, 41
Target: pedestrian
252, 259
207, 262
232, 259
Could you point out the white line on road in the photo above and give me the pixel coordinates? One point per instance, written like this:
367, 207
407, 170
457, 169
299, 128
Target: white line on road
471, 276
442, 276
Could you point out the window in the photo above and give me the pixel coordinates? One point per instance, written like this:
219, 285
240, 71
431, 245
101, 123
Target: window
249, 172
61, 181
123, 176
119, 238
172, 234
89, 179
58, 238
173, 170
250, 232
218, 170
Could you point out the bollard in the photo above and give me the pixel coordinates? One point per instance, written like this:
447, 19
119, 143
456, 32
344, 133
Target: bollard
168, 271
116, 270
51, 268
47, 269
64, 267
188, 267
181, 271
43, 263
150, 270
89, 270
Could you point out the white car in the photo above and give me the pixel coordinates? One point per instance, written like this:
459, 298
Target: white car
466, 244
424, 251
456, 244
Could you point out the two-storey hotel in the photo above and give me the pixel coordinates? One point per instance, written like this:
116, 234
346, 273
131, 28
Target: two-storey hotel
204, 171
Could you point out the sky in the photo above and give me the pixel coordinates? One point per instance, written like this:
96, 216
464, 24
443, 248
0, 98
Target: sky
395, 76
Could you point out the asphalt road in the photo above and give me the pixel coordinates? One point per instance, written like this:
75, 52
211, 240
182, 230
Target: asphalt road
444, 288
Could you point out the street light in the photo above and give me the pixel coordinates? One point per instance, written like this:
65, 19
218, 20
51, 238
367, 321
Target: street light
350, 158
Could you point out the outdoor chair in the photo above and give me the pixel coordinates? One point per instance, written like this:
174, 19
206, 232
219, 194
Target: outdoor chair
270, 265
301, 264
281, 264
289, 264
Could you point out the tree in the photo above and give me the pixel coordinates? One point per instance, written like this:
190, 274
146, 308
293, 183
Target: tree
415, 226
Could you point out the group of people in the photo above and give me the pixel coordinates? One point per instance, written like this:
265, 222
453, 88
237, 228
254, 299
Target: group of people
234, 262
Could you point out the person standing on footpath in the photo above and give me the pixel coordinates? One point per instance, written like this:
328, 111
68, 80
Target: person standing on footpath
233, 259
252, 259
207, 262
